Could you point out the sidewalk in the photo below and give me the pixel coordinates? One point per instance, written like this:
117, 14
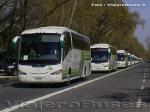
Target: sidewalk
3, 76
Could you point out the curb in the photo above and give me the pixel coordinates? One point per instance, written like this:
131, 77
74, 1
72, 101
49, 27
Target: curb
8, 77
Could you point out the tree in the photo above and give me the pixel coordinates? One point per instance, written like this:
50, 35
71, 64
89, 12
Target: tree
110, 25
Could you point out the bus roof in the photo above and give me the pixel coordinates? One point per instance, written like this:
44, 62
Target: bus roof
50, 29
128, 53
100, 46
121, 51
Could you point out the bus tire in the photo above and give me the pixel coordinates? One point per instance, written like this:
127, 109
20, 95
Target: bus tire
114, 70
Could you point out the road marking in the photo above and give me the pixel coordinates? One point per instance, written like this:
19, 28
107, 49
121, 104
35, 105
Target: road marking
142, 87
144, 73
139, 103
143, 80
60, 91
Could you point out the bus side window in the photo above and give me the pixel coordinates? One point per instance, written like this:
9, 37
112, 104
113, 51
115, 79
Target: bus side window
80, 42
67, 43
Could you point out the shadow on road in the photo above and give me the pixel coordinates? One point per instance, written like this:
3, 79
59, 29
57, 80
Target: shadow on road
4, 81
142, 67
129, 95
55, 85
147, 78
142, 72
123, 96
101, 72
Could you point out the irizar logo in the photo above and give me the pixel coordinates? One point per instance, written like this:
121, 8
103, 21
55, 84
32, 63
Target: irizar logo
50, 68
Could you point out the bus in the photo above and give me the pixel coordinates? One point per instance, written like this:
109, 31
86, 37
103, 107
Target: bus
136, 60
122, 59
104, 57
129, 59
53, 55
132, 59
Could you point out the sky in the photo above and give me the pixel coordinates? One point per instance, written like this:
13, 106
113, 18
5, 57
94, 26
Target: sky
144, 12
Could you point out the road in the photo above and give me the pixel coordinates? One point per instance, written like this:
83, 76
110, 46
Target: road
126, 90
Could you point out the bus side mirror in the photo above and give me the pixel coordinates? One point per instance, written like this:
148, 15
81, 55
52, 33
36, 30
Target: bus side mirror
15, 41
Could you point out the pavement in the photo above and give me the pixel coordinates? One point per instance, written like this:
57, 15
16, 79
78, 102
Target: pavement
126, 90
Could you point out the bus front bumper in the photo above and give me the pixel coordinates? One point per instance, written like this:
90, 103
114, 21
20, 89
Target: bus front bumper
100, 68
121, 64
41, 78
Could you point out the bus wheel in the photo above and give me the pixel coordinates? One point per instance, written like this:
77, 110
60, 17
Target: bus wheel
67, 83
114, 70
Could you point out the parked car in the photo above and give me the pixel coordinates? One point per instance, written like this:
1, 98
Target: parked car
9, 66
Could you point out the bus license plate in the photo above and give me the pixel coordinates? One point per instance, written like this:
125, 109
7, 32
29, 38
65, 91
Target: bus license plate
38, 78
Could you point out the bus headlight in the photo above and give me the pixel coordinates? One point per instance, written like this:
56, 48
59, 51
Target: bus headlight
56, 73
22, 73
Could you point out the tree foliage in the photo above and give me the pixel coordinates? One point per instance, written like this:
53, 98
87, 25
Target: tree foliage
112, 25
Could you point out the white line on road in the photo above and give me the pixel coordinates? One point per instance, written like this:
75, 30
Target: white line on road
144, 80
142, 87
59, 92
139, 103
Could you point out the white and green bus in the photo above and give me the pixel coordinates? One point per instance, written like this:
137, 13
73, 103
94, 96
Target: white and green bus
104, 57
129, 59
53, 54
122, 59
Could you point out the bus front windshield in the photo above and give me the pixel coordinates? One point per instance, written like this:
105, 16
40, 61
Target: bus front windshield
121, 56
40, 49
99, 55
